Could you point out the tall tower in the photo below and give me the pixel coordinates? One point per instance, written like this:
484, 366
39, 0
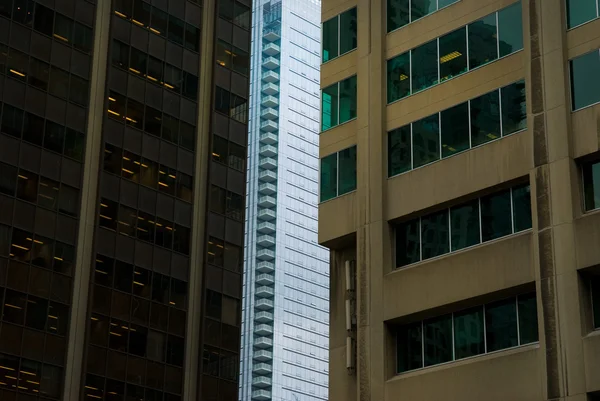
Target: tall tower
121, 217
286, 273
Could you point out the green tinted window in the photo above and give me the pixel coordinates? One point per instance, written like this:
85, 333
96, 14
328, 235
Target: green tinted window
469, 333
495, 216
329, 107
398, 77
455, 129
425, 68
348, 40
409, 342
591, 186
453, 54
596, 300
420, 8
435, 235
483, 42
510, 29
485, 118
330, 39
398, 14
399, 159
464, 222
521, 199
501, 325
426, 140
514, 108
528, 325
408, 245
437, 335
347, 99
585, 80
581, 11
329, 177
339, 35
347, 170
338, 103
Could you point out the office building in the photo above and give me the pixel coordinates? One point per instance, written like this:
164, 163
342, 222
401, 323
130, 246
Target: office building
459, 188
121, 228
284, 353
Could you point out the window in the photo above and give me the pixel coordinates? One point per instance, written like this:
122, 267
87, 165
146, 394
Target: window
467, 224
403, 12
585, 80
475, 331
338, 103
480, 118
43, 19
108, 214
27, 186
338, 174
591, 185
82, 37
38, 74
339, 35
8, 179
595, 292
581, 11
496, 35
192, 37
176, 30
59, 83
63, 28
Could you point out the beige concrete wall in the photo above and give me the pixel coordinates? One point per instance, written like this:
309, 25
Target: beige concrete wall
591, 358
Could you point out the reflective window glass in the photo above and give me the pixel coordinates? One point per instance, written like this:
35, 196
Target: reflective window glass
241, 61
217, 199
409, 342
74, 144
152, 121
167, 180
585, 80
501, 325
330, 39
79, 90
591, 186
426, 140
510, 29
190, 90
347, 170
485, 118
468, 333
595, 290
187, 136
397, 14
445, 3
398, 77
521, 199
170, 128
82, 37
453, 54
223, 54
425, 72
408, 244
120, 54
23, 11
514, 108
420, 8
141, 13
580, 12
464, 220
483, 41
528, 322
347, 99
138, 61
155, 69
108, 214
348, 29
435, 235
17, 63
437, 340
54, 136
329, 107
455, 129
241, 15
495, 216
399, 150
329, 177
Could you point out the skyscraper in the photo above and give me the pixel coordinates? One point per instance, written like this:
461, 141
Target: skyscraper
121, 217
459, 193
286, 273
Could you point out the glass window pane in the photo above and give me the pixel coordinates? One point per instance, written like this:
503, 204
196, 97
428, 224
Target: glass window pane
175, 30
82, 37
348, 99
528, 324
465, 225
79, 90
397, 14
485, 118
426, 140
8, 179
241, 61
329, 107
158, 22
501, 325
408, 249
38, 73
348, 31
438, 340
43, 19
192, 37
468, 333
514, 108
425, 62
453, 54
435, 235
54, 136
420, 8
596, 300
155, 69
48, 193
521, 207
398, 77
483, 41
347, 170
409, 343
585, 80
329, 177
12, 120
580, 11
591, 186
399, 159
74, 144
68, 200
445, 3
495, 216
59, 83
63, 28
330, 39
455, 129
33, 129
510, 29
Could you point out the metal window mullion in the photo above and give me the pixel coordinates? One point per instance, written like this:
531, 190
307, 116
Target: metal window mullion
518, 328
484, 333
500, 111
480, 223
497, 35
467, 40
512, 212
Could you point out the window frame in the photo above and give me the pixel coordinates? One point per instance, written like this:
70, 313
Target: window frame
338, 17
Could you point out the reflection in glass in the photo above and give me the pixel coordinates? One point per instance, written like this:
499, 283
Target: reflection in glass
329, 107
485, 118
408, 245
330, 39
398, 77
426, 140
501, 325
468, 333
514, 108
510, 29
495, 216
437, 339
399, 142
521, 199
348, 29
528, 327
328, 178
580, 12
425, 72
483, 41
420, 8
435, 234
453, 54
397, 14
464, 222
455, 129
585, 80
409, 343
347, 99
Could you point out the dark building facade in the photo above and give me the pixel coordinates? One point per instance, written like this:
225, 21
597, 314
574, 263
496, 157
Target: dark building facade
121, 224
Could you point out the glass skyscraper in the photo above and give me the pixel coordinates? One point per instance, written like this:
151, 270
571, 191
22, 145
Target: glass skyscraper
285, 319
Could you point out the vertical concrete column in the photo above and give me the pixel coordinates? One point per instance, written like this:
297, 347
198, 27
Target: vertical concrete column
74, 366
191, 377
372, 229
554, 183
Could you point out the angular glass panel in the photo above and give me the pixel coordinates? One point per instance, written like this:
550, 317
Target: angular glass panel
501, 325
521, 199
485, 118
329, 107
347, 170
435, 234
453, 54
329, 177
347, 99
425, 72
397, 14
591, 186
409, 343
408, 245
399, 159
510, 29
528, 323
398, 77
580, 12
330, 39
438, 340
468, 333
348, 40
420, 8
595, 284
514, 108
483, 41
465, 225
495, 216
455, 129
426, 140
585, 80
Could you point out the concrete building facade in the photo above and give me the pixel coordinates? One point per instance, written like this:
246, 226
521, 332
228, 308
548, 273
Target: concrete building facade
122, 168
458, 191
